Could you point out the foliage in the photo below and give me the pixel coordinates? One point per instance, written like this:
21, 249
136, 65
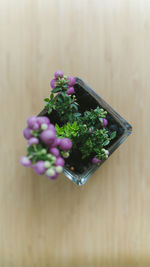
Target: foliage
39, 152
64, 104
68, 130
93, 118
95, 143
87, 142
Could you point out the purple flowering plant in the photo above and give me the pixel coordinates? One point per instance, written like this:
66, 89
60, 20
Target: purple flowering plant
50, 145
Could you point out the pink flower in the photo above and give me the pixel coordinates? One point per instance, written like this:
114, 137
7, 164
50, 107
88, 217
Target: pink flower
96, 161
32, 141
70, 91
58, 73
27, 133
52, 83
31, 121
39, 167
54, 151
105, 122
56, 142
25, 161
72, 80
48, 136
60, 162
43, 119
65, 144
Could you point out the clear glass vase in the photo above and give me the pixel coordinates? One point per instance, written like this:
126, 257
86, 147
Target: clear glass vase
91, 100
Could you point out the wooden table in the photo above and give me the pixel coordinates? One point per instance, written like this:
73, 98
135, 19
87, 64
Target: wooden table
106, 222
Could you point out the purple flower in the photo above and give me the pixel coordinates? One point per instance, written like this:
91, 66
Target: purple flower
25, 161
27, 133
58, 73
105, 122
72, 80
56, 142
32, 141
65, 144
48, 136
54, 176
52, 128
60, 162
52, 83
31, 121
96, 161
35, 126
39, 167
54, 151
70, 91
91, 130
42, 120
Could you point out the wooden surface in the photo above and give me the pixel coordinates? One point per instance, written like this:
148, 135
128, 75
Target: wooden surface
57, 224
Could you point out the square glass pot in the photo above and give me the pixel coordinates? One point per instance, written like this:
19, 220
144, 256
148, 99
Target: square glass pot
88, 99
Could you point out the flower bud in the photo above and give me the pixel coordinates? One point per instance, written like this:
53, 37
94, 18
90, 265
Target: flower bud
50, 172
25, 161
44, 126
106, 152
53, 159
59, 169
47, 164
65, 155
96, 161
43, 151
49, 156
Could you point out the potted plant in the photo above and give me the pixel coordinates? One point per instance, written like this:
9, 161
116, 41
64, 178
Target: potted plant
75, 133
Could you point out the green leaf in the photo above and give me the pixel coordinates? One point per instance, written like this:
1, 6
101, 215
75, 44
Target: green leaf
105, 135
101, 120
63, 94
70, 100
65, 86
57, 126
49, 110
51, 96
56, 90
106, 143
46, 99
113, 135
75, 106
59, 99
30, 149
77, 115
84, 156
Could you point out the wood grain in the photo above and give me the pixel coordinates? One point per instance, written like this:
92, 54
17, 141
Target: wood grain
106, 221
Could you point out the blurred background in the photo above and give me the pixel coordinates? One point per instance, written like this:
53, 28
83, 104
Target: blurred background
106, 221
